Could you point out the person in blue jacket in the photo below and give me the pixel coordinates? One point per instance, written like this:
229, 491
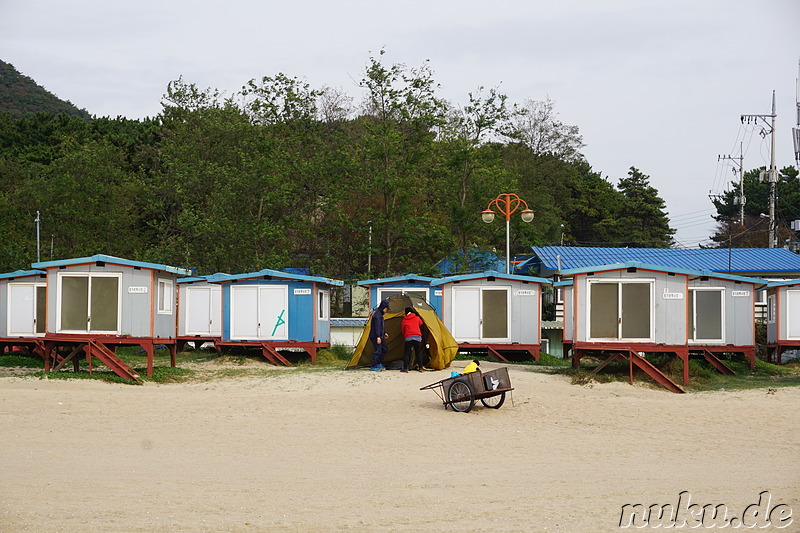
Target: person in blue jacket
378, 336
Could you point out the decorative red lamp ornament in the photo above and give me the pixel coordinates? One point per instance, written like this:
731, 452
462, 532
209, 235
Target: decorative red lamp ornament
507, 204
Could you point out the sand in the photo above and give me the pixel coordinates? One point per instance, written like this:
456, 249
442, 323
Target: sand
330, 450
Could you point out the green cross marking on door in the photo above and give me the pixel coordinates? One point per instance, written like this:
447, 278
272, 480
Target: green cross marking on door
279, 322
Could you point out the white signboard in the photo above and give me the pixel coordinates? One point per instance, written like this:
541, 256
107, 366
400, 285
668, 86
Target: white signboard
137, 290
740, 294
526, 292
302, 291
673, 295
437, 292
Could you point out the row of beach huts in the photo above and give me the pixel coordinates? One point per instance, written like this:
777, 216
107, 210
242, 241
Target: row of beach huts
85, 307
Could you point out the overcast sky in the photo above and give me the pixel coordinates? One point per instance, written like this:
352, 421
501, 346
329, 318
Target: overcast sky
659, 85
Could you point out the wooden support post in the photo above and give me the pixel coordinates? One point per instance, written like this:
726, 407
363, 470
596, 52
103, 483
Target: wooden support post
149, 350
173, 350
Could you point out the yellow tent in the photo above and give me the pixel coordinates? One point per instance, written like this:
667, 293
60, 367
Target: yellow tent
443, 347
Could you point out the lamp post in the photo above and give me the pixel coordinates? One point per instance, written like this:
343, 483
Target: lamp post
507, 204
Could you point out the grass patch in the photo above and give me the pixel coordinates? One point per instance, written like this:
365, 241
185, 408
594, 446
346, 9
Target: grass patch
702, 376
20, 360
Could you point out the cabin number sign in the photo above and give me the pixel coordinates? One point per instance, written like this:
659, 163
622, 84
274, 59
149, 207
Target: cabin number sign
672, 295
137, 290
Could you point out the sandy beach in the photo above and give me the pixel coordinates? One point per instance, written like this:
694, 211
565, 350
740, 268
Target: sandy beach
330, 450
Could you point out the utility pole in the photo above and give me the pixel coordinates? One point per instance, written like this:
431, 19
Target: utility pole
740, 199
38, 221
796, 131
771, 175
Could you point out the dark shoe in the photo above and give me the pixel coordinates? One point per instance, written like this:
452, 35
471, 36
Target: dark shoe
404, 370
419, 369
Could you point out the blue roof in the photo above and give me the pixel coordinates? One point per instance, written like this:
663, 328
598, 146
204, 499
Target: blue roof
764, 261
113, 260
22, 274
471, 260
489, 274
658, 268
396, 279
282, 275
349, 322
211, 278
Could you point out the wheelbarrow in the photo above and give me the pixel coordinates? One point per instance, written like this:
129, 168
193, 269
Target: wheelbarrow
461, 391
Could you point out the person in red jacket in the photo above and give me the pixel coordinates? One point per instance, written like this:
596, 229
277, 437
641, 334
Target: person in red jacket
411, 328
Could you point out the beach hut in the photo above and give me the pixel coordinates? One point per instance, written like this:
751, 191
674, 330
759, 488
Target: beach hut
99, 302
409, 285
494, 312
630, 309
23, 308
275, 310
200, 309
783, 318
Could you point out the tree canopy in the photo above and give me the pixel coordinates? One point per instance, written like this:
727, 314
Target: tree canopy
282, 174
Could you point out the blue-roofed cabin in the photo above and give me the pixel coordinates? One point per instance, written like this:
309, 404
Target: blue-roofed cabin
200, 307
23, 304
277, 310
636, 307
411, 284
98, 301
783, 319
494, 311
108, 295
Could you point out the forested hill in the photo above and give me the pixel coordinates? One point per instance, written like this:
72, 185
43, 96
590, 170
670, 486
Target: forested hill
20, 96
285, 175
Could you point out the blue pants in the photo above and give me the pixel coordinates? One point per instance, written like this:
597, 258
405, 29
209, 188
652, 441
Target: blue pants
378, 351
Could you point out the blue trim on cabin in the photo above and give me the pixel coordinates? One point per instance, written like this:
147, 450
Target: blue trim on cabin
659, 268
211, 278
785, 283
277, 274
409, 277
23, 274
491, 274
102, 258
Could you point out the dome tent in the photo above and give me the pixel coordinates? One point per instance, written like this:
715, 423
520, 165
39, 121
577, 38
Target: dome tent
443, 347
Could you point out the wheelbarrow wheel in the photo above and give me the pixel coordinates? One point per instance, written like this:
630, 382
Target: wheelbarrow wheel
460, 396
494, 402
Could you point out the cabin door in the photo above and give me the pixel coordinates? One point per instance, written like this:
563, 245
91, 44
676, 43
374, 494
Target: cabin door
203, 311
480, 314
620, 310
89, 303
26, 309
706, 315
259, 312
792, 315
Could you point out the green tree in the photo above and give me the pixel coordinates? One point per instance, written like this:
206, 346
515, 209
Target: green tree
642, 216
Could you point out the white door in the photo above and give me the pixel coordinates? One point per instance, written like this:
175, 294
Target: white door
467, 314
25, 309
244, 312
203, 311
259, 312
793, 315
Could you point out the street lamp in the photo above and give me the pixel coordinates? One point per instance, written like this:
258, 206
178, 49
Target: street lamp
507, 204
